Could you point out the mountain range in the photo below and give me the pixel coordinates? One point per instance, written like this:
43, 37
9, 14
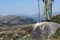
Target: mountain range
16, 20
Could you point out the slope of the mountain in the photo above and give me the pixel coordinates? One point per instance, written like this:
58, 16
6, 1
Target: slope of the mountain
56, 18
10, 19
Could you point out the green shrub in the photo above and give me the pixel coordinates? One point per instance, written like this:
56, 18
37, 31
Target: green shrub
56, 19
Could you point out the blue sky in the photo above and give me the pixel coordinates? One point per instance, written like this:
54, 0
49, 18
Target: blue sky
24, 7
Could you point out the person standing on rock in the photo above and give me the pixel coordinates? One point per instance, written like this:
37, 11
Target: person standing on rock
47, 9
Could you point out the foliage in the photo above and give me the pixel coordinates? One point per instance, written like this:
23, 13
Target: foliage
56, 18
24, 34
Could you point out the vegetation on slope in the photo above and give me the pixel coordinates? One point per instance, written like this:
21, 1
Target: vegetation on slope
56, 18
25, 34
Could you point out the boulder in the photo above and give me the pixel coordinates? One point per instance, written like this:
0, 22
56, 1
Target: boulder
44, 30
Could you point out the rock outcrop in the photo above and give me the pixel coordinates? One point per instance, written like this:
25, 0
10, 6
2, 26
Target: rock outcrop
44, 29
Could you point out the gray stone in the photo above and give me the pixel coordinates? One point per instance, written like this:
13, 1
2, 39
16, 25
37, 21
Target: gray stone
44, 30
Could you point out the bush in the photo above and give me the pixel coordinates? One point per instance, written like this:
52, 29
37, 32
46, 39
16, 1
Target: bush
56, 19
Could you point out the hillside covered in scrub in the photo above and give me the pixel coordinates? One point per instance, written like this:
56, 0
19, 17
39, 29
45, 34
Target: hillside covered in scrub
56, 18
28, 32
24, 32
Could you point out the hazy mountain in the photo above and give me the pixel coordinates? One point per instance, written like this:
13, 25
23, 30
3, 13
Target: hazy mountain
11, 19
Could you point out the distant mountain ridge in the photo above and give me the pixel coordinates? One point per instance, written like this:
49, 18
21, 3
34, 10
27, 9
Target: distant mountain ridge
11, 19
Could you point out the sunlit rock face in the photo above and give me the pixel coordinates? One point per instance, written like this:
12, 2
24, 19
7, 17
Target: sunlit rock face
44, 29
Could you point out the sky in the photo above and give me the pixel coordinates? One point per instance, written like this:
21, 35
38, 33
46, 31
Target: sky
25, 7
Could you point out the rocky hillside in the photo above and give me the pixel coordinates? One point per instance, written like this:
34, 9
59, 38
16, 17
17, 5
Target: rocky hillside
39, 31
14, 20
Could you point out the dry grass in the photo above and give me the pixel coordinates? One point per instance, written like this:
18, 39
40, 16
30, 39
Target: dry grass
21, 32
15, 30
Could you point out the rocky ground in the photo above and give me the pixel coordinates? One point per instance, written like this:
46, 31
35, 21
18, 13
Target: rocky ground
46, 30
30, 31
15, 31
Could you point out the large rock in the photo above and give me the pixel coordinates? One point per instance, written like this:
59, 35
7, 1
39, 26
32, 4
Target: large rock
44, 29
